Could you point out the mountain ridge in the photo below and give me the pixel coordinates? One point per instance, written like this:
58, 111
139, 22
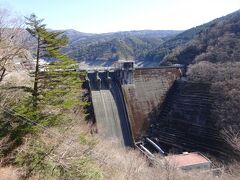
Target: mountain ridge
202, 41
114, 45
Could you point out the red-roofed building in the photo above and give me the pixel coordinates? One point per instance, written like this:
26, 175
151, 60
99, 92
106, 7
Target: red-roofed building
189, 161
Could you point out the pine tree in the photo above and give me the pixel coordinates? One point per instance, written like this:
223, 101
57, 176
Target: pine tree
59, 85
48, 45
54, 98
63, 83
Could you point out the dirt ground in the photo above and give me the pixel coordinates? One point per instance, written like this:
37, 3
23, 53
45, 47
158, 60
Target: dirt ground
8, 173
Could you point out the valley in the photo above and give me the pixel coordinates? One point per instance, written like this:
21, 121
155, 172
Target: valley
119, 105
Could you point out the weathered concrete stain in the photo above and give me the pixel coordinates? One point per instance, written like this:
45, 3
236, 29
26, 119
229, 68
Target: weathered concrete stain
146, 94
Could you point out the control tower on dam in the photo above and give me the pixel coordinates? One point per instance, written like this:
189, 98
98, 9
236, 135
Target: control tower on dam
125, 99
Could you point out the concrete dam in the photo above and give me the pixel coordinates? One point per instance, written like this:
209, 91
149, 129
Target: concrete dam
125, 99
153, 109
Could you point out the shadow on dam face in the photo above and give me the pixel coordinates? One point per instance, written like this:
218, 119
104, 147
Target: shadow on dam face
123, 99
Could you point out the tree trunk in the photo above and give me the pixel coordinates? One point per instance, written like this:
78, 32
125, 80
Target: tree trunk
2, 74
35, 87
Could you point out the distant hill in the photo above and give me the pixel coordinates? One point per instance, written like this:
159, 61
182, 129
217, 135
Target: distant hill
74, 35
105, 49
216, 41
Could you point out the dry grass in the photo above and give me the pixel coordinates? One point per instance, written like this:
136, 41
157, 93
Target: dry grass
9, 173
108, 157
120, 164
112, 160
17, 78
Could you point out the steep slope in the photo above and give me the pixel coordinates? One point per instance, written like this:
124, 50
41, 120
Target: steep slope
213, 56
163, 50
195, 41
217, 42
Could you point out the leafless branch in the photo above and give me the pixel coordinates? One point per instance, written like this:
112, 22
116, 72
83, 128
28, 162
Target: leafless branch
232, 136
12, 40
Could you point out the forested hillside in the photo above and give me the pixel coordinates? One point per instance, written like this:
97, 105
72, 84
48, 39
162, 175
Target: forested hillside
214, 41
217, 41
132, 45
212, 56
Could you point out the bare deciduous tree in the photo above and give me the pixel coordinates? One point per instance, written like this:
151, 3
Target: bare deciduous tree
12, 40
232, 136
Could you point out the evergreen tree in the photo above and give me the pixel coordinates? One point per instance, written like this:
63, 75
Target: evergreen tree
48, 44
53, 99
59, 86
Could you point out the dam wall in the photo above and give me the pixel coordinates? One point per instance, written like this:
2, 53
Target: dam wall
125, 100
144, 97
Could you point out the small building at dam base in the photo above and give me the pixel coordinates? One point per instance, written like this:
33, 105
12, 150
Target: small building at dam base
189, 161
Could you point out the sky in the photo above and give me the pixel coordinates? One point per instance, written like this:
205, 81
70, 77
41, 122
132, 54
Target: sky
101, 16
